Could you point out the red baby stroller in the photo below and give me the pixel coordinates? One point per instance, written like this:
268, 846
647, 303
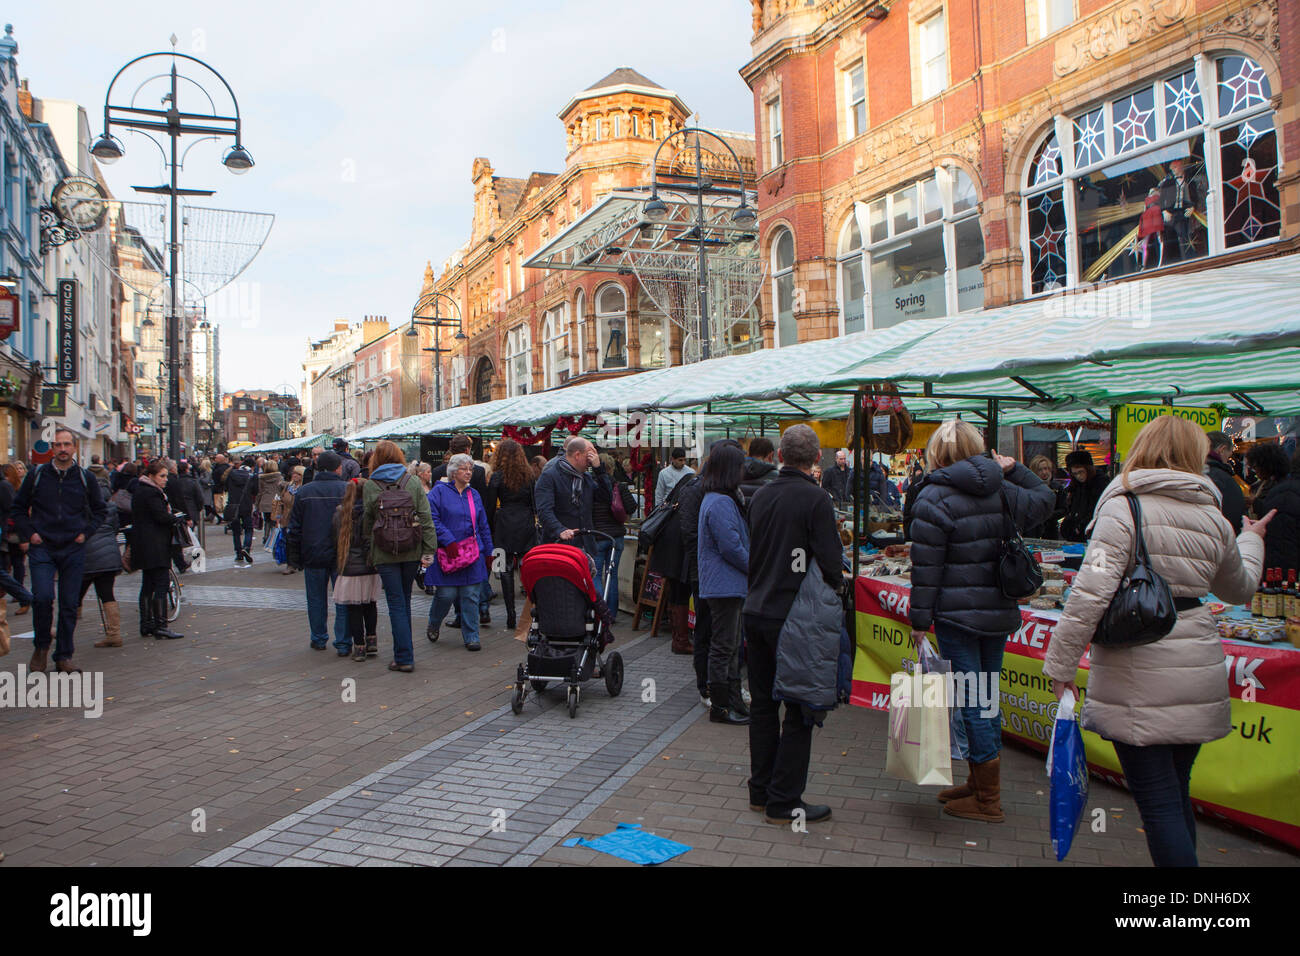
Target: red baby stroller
569, 629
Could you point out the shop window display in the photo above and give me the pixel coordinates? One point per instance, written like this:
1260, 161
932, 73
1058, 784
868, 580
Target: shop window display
787, 332
611, 325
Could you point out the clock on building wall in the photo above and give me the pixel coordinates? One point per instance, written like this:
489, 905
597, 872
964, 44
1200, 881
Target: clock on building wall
80, 200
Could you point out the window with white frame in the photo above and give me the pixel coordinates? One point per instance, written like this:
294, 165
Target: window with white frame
852, 284
518, 361
456, 381
618, 126
636, 125
923, 251
509, 271
555, 347
932, 40
787, 332
1177, 168
1051, 15
775, 136
855, 100
611, 326
579, 343
654, 127
653, 333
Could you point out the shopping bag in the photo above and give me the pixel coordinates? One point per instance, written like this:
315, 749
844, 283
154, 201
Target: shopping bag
280, 550
1067, 767
932, 663
918, 750
198, 558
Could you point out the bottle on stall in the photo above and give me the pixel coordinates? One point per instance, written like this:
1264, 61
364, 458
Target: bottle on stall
1279, 586
1292, 594
1257, 602
1268, 606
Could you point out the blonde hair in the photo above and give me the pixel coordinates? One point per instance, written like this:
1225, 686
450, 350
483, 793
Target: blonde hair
1168, 442
1042, 460
953, 441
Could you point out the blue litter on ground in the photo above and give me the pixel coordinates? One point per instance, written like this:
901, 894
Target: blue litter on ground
630, 842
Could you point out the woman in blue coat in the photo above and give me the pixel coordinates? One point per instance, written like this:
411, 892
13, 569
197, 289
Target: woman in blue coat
723, 552
457, 513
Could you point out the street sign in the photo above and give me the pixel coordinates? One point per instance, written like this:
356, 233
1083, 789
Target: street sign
9, 314
68, 359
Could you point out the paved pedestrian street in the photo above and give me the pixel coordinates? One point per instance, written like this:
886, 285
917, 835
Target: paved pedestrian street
236, 746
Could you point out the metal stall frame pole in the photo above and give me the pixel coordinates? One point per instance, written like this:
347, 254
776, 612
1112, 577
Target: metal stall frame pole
857, 482
1114, 437
991, 426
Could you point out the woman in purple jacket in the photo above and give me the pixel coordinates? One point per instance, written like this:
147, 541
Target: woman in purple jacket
457, 512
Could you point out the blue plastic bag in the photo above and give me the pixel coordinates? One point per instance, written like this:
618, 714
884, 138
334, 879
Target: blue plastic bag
630, 842
1068, 768
280, 550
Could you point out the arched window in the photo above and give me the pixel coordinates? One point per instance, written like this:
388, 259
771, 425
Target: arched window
852, 285
1130, 190
455, 382
578, 349
555, 347
519, 366
923, 251
611, 326
787, 331
653, 329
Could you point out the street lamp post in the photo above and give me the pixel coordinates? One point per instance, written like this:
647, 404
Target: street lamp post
175, 124
344, 380
436, 322
656, 210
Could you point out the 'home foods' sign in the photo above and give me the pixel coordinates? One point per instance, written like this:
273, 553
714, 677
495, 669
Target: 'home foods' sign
1132, 419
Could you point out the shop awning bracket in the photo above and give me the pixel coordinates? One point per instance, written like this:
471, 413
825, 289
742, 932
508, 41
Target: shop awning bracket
1032, 389
801, 410
1249, 403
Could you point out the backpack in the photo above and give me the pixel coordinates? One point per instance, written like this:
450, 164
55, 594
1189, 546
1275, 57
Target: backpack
397, 525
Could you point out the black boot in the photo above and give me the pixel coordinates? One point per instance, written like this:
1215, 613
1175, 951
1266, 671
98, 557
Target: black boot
722, 714
508, 598
146, 617
736, 698
160, 629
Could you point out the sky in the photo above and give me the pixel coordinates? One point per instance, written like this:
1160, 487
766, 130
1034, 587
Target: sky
364, 121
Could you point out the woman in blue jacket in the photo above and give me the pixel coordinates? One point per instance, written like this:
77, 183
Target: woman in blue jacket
723, 553
457, 512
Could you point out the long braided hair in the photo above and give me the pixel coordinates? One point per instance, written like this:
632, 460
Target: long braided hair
346, 507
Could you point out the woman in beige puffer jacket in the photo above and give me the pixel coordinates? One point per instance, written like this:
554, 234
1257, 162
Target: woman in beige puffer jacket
1159, 702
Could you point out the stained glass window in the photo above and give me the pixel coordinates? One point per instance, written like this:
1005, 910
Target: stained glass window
1135, 120
1090, 138
1047, 162
1182, 103
1047, 240
1248, 157
1242, 84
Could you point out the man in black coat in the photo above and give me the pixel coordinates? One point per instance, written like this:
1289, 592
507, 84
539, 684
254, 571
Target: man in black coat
791, 522
1219, 468
1082, 495
564, 494
838, 479
760, 468
56, 509
220, 468
312, 548
241, 494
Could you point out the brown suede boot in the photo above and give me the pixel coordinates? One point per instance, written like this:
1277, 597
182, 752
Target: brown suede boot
985, 804
112, 626
40, 660
956, 793
681, 629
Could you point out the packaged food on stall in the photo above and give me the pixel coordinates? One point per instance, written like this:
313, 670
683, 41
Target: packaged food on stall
1293, 630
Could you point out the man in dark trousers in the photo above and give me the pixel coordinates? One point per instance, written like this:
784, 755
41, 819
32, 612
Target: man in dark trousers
1219, 468
311, 547
220, 468
57, 508
791, 521
838, 479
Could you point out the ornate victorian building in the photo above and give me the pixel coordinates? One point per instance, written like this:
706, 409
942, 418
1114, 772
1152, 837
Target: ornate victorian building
532, 329
920, 158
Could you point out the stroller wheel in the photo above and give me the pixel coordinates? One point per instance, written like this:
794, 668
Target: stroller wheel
614, 674
573, 702
517, 699
539, 685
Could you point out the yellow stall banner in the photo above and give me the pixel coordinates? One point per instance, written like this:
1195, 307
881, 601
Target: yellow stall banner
1132, 418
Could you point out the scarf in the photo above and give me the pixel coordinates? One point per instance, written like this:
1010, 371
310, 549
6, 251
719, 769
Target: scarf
576, 478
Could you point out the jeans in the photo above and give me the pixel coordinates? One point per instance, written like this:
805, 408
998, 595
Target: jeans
779, 750
466, 598
243, 524
703, 637
983, 656
1159, 777
608, 554
397, 580
67, 561
724, 651
317, 582
485, 596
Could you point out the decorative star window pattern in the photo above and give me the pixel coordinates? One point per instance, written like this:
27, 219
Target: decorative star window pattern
1251, 205
1090, 138
1047, 163
1047, 241
1183, 109
1242, 84
1135, 120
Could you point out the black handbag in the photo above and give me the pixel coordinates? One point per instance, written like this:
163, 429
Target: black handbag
655, 522
1142, 610
1018, 572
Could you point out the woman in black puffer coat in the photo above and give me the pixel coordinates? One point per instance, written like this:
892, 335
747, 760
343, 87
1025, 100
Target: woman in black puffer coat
102, 565
152, 526
957, 532
1282, 543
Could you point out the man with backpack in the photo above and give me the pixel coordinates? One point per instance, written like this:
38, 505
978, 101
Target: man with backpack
57, 508
311, 547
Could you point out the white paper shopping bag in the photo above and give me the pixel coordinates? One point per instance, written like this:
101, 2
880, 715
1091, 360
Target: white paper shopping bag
918, 750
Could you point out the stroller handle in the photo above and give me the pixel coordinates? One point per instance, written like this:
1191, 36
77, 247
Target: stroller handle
586, 531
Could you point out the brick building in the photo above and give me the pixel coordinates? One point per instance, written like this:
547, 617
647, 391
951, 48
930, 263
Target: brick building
393, 375
920, 158
532, 329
